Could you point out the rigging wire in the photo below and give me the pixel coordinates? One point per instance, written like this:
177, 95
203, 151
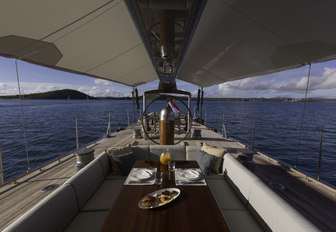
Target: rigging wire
302, 118
22, 117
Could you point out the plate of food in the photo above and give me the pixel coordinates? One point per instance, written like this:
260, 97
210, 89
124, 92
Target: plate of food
159, 198
190, 174
142, 174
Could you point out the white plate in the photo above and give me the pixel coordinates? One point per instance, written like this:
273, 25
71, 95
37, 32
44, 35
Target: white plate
142, 174
156, 194
190, 174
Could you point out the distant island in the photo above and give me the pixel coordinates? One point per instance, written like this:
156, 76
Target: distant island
64, 94
57, 94
75, 95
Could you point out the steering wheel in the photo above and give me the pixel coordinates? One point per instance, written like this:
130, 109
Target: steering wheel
144, 118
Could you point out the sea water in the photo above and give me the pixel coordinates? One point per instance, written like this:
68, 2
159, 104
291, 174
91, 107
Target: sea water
270, 127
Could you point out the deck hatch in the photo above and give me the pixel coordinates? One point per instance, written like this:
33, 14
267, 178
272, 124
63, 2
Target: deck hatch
50, 187
276, 185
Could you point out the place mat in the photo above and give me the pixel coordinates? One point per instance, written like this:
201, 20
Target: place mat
190, 176
141, 176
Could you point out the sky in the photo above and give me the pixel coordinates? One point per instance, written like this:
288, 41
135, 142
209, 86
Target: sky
290, 83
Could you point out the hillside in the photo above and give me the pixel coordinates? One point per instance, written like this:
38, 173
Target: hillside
57, 94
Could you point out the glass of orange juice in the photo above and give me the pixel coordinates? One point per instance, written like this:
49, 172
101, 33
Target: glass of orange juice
165, 157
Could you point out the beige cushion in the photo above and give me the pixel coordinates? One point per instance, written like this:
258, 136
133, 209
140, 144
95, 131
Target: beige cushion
218, 153
275, 211
86, 181
105, 163
240, 176
87, 221
177, 152
114, 152
105, 196
53, 213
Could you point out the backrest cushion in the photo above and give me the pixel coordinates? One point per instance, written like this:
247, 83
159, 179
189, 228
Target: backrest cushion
105, 163
53, 213
276, 212
141, 152
239, 175
86, 181
177, 152
192, 152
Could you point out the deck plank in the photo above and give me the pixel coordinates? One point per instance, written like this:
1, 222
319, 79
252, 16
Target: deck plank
313, 201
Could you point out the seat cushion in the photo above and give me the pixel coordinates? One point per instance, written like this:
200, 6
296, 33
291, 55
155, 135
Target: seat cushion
226, 198
234, 219
105, 196
87, 221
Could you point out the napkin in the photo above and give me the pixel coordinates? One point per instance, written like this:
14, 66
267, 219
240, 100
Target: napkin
141, 176
191, 176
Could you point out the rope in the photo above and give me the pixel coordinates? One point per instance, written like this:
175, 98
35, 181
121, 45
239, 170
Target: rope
302, 118
22, 117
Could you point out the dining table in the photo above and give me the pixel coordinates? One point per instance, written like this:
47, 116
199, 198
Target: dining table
195, 208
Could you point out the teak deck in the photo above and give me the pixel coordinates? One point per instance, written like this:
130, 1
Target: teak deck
314, 200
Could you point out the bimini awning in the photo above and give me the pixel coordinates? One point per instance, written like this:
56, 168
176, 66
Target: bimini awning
96, 38
228, 39
235, 39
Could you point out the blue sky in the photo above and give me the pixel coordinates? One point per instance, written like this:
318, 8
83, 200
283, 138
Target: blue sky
290, 83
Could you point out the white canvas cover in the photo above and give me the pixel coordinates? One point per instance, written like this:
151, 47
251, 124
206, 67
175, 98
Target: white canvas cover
234, 39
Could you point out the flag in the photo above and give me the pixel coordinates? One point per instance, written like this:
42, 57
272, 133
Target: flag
173, 105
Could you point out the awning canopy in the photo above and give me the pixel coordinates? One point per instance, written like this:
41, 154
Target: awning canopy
233, 39
96, 38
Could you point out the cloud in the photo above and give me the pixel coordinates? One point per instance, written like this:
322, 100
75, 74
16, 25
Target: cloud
326, 80
102, 82
104, 88
274, 85
11, 88
6, 89
3, 86
290, 83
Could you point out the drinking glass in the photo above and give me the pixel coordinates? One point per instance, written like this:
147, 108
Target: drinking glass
159, 178
171, 165
165, 157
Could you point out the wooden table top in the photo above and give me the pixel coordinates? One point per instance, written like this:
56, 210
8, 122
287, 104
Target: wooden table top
194, 210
